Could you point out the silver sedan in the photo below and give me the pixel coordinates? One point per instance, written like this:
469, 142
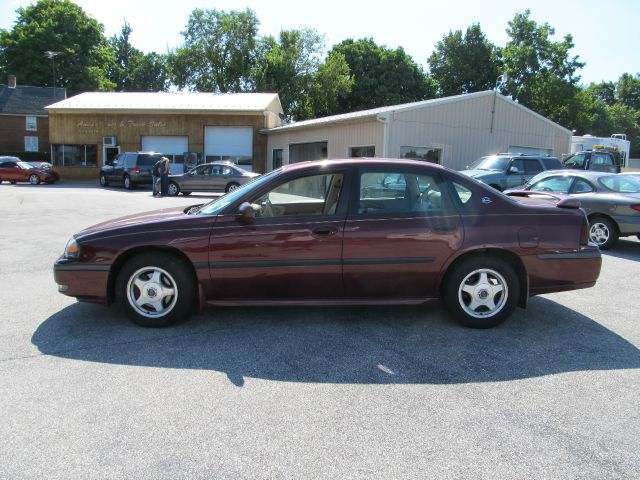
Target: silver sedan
210, 177
611, 201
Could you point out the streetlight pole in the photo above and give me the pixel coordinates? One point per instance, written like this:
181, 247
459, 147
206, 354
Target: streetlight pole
52, 55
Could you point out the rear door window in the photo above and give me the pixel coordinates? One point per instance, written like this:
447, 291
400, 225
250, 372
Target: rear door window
147, 160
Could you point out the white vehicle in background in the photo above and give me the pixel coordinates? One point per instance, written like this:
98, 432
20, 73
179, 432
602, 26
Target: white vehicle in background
616, 143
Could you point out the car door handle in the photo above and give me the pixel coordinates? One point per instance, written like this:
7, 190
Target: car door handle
324, 231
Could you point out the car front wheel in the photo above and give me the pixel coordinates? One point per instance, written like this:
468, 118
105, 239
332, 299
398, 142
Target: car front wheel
34, 179
231, 187
602, 232
481, 292
155, 290
173, 189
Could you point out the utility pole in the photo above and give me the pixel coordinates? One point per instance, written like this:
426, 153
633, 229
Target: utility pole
52, 55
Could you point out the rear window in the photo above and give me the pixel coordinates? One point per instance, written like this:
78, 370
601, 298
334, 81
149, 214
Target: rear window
148, 160
621, 183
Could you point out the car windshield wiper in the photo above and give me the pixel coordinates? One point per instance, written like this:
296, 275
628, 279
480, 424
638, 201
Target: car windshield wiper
194, 210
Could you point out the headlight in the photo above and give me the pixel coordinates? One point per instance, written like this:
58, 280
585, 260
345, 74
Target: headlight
72, 250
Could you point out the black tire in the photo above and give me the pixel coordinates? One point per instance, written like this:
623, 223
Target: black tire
603, 232
103, 180
173, 189
128, 184
34, 179
155, 275
186, 193
13, 182
231, 186
481, 292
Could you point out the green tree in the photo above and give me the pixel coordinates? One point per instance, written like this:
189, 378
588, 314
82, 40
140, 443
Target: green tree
218, 51
291, 65
465, 64
134, 71
382, 76
82, 56
605, 91
628, 90
542, 75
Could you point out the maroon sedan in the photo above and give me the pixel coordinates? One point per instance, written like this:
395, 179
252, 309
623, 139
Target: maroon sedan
13, 170
337, 232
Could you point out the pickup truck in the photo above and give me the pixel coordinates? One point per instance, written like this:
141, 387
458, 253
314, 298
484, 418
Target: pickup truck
599, 161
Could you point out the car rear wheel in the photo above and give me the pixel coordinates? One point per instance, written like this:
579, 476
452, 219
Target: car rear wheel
173, 189
231, 187
155, 290
34, 179
103, 180
127, 182
603, 232
481, 292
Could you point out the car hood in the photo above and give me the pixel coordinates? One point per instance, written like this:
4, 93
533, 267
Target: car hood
479, 173
137, 219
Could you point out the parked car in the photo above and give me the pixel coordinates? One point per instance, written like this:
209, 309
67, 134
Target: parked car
14, 170
596, 160
130, 169
611, 201
210, 177
309, 234
504, 170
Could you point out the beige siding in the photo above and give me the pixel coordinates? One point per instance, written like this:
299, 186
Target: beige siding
339, 137
463, 130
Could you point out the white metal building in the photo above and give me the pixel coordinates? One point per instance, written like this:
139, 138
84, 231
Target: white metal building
452, 131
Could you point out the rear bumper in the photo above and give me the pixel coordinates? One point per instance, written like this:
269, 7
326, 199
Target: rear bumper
85, 282
562, 271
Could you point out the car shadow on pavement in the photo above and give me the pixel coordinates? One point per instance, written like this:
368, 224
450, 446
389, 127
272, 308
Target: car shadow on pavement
624, 248
355, 345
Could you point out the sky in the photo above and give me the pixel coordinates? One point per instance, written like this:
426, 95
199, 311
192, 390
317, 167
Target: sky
606, 35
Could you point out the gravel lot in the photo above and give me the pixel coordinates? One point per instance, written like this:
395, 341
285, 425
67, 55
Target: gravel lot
389, 393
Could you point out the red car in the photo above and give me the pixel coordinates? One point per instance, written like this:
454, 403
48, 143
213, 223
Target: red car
14, 170
337, 232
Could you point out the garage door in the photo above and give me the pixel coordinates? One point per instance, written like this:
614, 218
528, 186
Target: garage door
229, 143
173, 147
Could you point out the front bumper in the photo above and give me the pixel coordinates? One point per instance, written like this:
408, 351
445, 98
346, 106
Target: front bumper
86, 282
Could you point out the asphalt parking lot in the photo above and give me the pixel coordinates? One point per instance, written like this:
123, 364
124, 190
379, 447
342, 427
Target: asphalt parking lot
390, 393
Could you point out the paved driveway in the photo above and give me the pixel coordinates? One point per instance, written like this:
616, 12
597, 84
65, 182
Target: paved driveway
304, 392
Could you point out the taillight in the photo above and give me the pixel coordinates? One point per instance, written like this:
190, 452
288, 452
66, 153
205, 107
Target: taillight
136, 169
636, 207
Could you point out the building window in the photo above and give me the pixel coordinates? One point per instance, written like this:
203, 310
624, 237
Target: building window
304, 152
75, 155
32, 124
30, 144
276, 160
428, 154
359, 152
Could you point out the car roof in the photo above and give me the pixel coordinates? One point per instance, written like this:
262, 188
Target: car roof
365, 162
589, 174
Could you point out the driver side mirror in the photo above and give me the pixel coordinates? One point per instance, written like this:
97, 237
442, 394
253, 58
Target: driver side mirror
513, 169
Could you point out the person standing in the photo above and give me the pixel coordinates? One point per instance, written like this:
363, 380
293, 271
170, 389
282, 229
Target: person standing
155, 177
164, 177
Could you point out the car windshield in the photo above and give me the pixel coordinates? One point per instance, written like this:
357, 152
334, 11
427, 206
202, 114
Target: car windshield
25, 165
490, 163
214, 207
621, 183
39, 165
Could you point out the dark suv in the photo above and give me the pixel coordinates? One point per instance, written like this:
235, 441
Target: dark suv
599, 161
508, 170
130, 169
